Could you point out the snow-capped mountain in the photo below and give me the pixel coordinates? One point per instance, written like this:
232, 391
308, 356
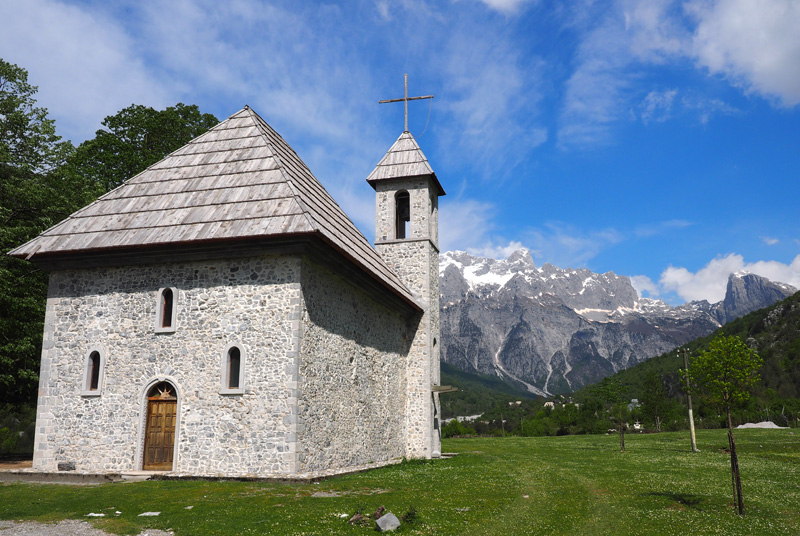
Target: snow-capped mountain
553, 330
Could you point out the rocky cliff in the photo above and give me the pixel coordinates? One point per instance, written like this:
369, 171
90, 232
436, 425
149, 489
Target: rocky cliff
554, 330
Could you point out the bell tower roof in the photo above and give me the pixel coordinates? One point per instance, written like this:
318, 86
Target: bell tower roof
404, 159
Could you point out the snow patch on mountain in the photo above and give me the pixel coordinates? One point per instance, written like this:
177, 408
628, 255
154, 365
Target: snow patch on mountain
554, 330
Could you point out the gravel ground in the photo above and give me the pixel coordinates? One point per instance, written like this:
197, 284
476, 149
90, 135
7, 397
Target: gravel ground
69, 527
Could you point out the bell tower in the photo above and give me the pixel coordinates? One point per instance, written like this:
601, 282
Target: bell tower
407, 237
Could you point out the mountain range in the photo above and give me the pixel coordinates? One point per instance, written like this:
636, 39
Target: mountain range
551, 330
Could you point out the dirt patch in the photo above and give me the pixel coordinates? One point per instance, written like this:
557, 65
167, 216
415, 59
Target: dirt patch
15, 465
69, 527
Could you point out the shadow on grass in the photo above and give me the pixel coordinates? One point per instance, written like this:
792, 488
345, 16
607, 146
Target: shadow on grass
684, 499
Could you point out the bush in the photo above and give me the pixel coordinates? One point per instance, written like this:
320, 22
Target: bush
456, 428
17, 427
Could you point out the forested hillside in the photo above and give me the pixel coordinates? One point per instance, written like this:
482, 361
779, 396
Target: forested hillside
477, 393
774, 332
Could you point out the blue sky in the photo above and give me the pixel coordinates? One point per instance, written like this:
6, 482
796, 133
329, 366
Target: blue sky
658, 139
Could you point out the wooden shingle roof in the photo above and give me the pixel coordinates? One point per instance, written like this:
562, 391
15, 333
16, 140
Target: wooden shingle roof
403, 159
238, 181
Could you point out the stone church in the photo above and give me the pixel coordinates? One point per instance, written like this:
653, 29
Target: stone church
219, 314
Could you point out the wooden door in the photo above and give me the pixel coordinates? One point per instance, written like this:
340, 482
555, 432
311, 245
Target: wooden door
159, 439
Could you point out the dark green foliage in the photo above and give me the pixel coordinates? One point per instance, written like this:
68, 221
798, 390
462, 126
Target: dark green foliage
724, 374
17, 425
133, 139
455, 428
42, 181
774, 334
656, 404
34, 195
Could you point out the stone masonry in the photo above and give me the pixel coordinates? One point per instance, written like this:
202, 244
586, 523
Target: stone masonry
415, 259
332, 376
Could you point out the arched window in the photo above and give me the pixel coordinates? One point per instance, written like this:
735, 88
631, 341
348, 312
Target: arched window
234, 367
233, 370
166, 310
93, 373
402, 202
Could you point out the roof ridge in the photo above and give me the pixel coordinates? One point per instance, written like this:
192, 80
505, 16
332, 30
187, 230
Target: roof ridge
260, 124
199, 194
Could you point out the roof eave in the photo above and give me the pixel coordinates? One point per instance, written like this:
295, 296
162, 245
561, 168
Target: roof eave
432, 176
297, 243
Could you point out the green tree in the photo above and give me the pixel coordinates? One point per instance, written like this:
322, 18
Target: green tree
723, 376
654, 400
134, 139
34, 195
611, 392
42, 181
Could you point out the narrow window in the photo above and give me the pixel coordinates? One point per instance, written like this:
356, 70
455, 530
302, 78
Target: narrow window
232, 369
234, 361
403, 214
166, 310
93, 370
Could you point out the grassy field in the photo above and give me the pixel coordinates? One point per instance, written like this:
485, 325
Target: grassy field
561, 485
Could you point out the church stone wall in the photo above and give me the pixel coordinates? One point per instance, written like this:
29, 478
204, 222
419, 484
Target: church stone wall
352, 376
253, 302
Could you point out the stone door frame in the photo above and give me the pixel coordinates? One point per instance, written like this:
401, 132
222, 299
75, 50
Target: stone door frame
142, 431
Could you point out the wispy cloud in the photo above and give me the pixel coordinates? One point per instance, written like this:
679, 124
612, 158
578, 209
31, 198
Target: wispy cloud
653, 229
752, 44
86, 64
593, 98
706, 108
465, 224
494, 93
496, 251
565, 245
657, 105
508, 7
768, 240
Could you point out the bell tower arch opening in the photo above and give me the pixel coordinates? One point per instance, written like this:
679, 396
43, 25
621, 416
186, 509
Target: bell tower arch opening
402, 203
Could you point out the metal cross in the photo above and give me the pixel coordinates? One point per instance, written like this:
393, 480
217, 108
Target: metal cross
405, 99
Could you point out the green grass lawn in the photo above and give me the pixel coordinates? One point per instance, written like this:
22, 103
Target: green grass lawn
557, 485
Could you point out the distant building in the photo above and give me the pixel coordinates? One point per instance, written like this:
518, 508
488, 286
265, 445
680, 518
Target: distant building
219, 314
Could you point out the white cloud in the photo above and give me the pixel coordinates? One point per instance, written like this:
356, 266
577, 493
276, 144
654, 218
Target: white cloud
709, 283
644, 284
85, 64
707, 107
752, 42
769, 240
496, 251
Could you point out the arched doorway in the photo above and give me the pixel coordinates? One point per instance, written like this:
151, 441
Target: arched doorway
159, 437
